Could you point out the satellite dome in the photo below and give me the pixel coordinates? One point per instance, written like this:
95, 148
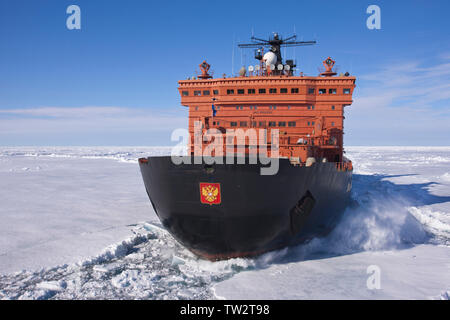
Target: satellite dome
270, 58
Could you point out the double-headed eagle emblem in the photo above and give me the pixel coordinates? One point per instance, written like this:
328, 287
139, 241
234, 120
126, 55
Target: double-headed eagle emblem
210, 193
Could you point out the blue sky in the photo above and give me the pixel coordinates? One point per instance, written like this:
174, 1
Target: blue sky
114, 81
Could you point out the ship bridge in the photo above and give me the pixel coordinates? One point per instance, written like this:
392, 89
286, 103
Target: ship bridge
308, 111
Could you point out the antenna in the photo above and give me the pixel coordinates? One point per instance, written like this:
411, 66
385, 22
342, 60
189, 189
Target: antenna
232, 57
295, 56
275, 43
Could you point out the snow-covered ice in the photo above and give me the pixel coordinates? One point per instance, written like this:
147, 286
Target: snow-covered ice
76, 223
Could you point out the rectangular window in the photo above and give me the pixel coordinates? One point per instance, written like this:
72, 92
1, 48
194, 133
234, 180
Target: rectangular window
251, 91
322, 91
230, 91
272, 124
254, 124
262, 124
243, 123
197, 93
215, 91
282, 124
332, 91
240, 91
185, 93
261, 90
311, 90
233, 124
346, 91
283, 90
273, 90
291, 123
332, 124
332, 107
206, 92
295, 90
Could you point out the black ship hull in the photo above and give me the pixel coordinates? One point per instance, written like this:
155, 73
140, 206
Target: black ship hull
257, 213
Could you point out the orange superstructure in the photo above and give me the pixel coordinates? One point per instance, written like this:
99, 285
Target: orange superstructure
308, 111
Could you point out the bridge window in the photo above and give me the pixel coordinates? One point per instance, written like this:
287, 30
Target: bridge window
346, 91
197, 93
240, 91
272, 124
262, 123
233, 124
282, 124
262, 91
295, 90
251, 91
311, 90
243, 123
322, 91
283, 90
273, 90
185, 93
291, 123
332, 91
215, 91
230, 91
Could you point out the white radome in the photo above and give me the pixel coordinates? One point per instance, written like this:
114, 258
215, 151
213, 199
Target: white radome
270, 58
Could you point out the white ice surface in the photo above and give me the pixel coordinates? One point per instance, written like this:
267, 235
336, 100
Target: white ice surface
59, 205
80, 223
